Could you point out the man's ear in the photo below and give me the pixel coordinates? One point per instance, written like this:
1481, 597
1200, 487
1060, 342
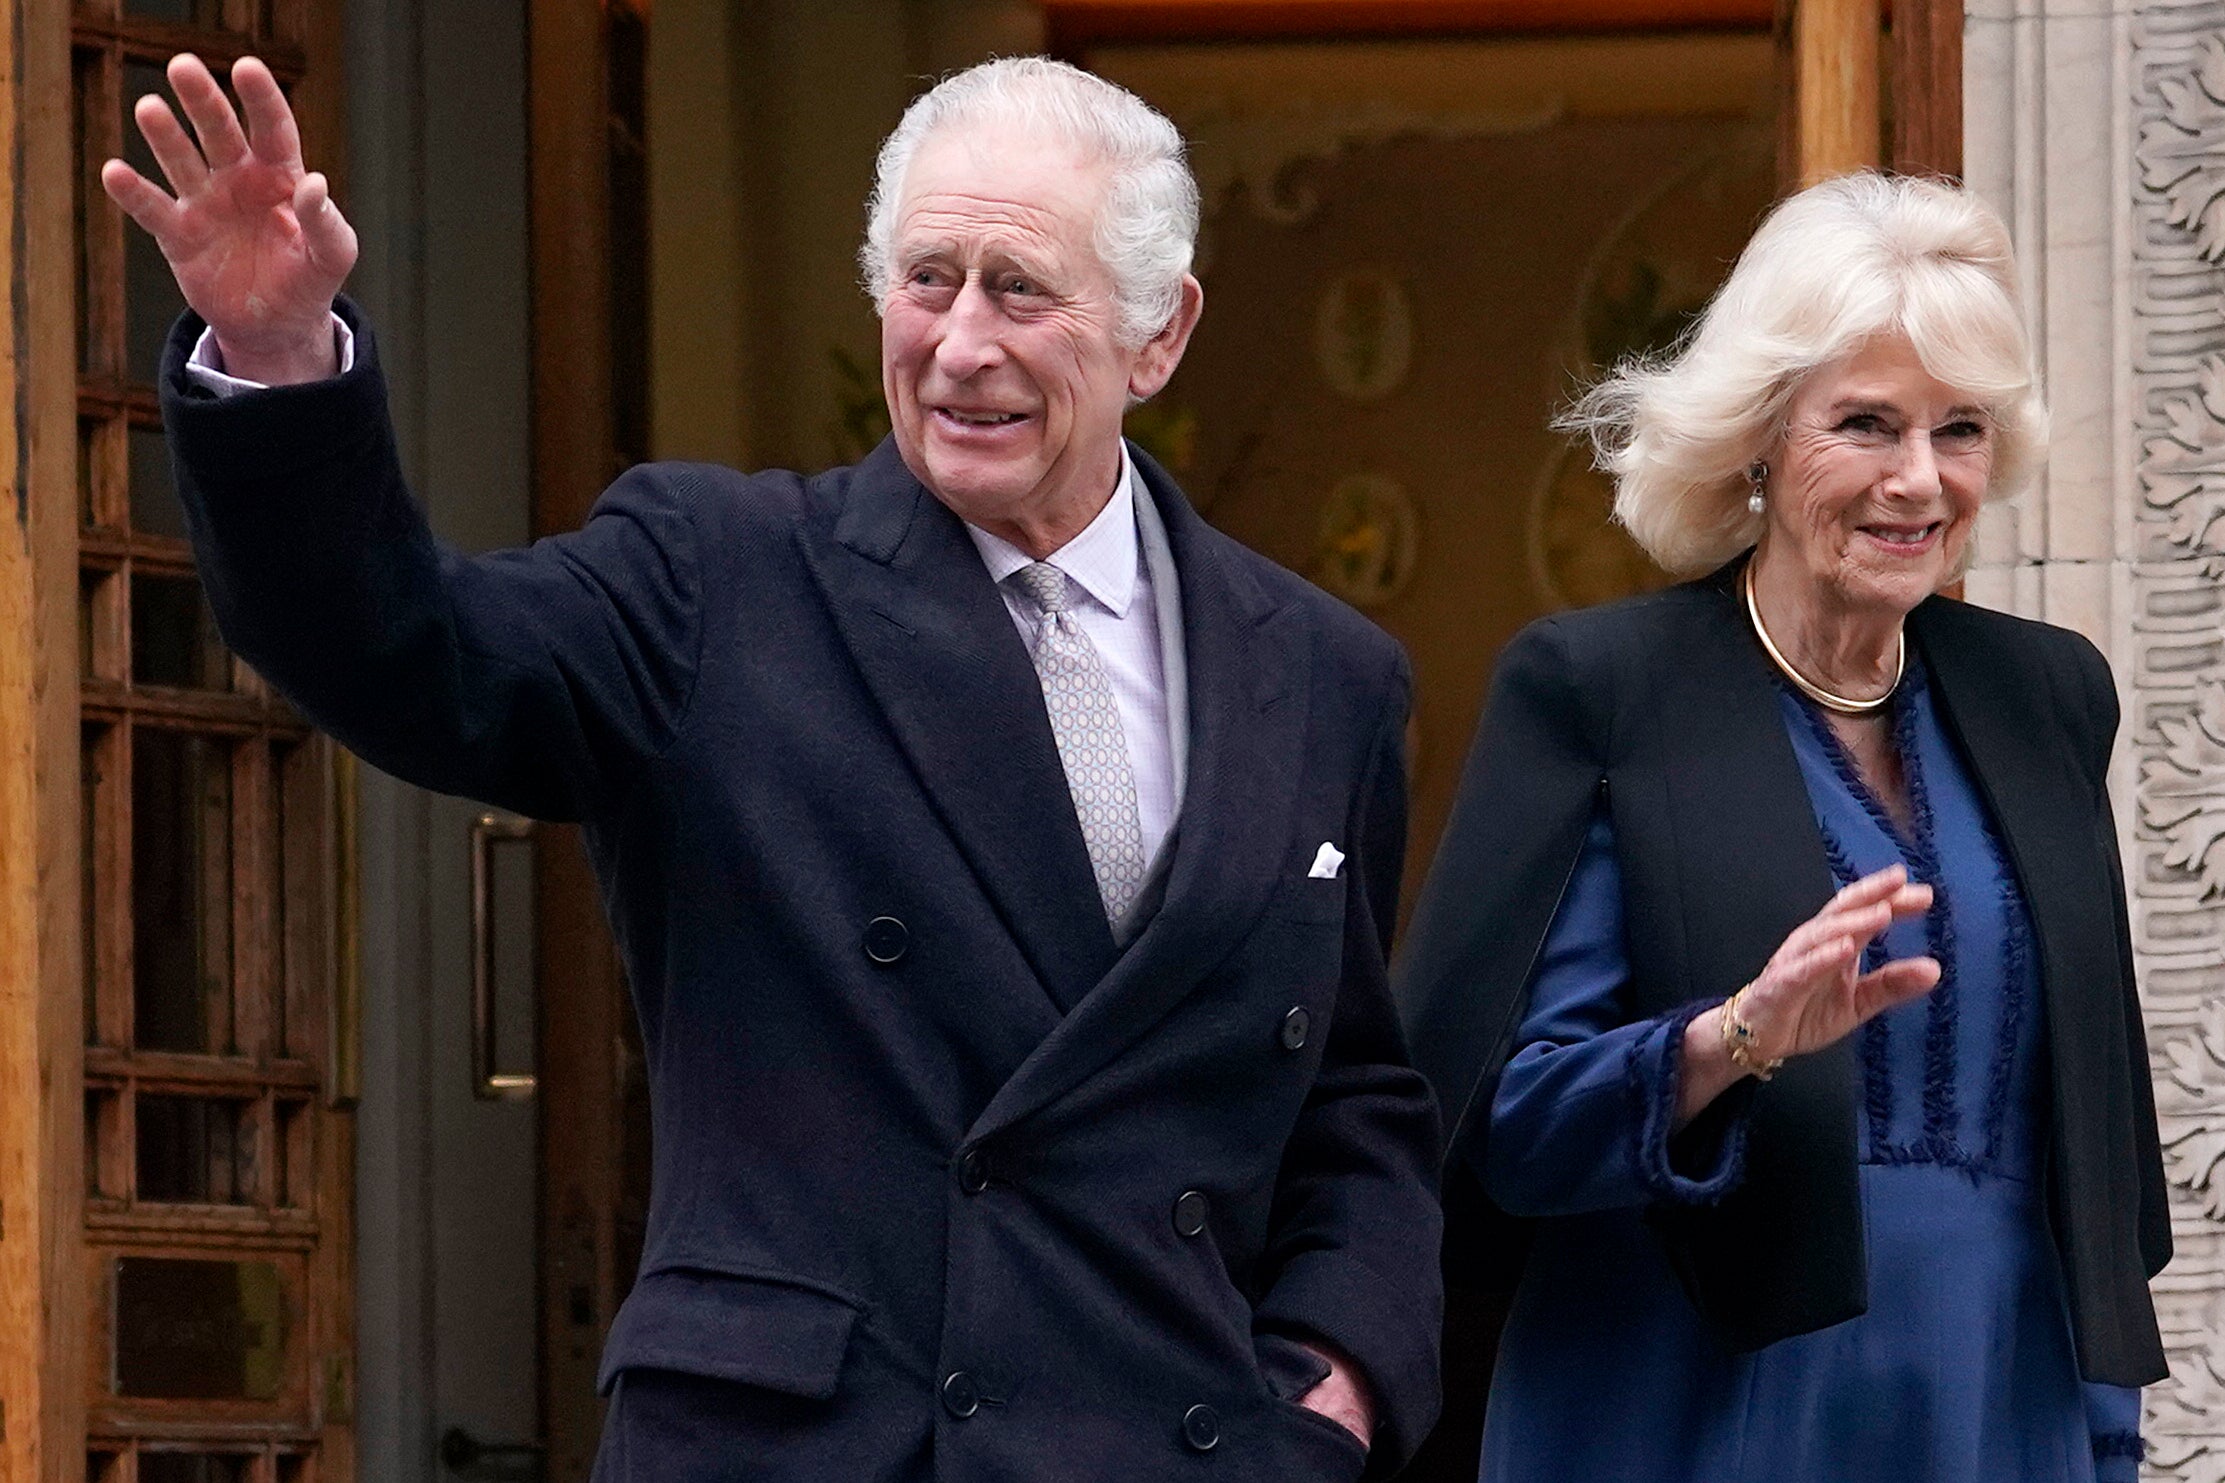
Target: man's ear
1155, 363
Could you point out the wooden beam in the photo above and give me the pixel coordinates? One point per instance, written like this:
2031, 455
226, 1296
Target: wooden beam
1073, 26
580, 990
1927, 87
1829, 57
42, 1325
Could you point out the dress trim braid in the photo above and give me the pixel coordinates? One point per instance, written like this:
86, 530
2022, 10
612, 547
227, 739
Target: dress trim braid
1653, 1069
1936, 1144
1877, 1035
2016, 955
2109, 1445
1943, 1007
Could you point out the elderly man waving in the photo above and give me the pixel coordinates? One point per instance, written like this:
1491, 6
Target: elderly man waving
1002, 858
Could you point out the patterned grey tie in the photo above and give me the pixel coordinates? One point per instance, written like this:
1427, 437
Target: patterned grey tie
1091, 745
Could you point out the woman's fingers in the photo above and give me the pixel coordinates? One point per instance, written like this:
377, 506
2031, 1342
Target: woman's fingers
1894, 983
141, 199
270, 119
1873, 913
1876, 886
173, 148
210, 111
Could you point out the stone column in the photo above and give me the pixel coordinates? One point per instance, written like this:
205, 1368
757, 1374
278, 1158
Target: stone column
2098, 128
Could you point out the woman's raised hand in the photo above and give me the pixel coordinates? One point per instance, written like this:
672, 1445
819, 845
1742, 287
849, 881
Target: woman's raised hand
257, 246
1813, 992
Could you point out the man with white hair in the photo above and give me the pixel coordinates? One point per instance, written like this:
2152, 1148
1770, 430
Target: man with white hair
1003, 859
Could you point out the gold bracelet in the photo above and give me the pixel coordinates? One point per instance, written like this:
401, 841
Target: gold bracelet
1738, 1041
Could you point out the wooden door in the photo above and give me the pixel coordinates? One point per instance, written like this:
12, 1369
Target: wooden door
1868, 84
587, 76
193, 1168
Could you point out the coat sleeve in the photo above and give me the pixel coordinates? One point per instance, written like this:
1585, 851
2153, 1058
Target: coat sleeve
2113, 1421
1584, 1115
536, 679
2155, 1210
1509, 850
1356, 1228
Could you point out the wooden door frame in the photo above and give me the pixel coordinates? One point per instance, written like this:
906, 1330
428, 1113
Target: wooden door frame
1846, 67
583, 1012
42, 1031
47, 1353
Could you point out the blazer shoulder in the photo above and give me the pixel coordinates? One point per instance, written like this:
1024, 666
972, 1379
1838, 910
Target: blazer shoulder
1607, 649
728, 498
2060, 664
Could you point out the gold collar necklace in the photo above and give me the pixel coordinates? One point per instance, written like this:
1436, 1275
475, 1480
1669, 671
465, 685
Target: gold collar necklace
1801, 682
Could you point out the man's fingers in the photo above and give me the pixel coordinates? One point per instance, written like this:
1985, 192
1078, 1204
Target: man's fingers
214, 122
270, 119
141, 199
324, 231
173, 148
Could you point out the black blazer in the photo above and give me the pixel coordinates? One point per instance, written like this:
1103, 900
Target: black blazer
946, 1185
1664, 707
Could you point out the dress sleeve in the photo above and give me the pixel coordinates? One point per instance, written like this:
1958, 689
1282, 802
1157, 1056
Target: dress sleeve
2113, 1419
1584, 1114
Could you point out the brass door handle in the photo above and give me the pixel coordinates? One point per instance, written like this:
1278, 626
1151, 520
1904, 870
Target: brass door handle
488, 1084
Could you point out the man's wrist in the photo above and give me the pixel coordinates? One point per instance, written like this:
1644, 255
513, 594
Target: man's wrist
206, 367
314, 356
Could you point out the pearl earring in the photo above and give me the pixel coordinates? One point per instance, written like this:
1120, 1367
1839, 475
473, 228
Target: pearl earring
1757, 475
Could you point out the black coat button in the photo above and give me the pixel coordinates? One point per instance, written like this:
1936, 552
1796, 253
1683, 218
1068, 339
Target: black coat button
973, 1172
1190, 1212
1294, 1027
1201, 1428
885, 940
961, 1397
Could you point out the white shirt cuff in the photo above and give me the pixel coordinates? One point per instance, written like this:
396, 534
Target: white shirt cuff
206, 365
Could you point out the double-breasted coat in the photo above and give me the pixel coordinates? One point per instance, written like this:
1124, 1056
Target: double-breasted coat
946, 1184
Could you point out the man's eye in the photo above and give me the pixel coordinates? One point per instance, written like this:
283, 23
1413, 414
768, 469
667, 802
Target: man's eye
1019, 285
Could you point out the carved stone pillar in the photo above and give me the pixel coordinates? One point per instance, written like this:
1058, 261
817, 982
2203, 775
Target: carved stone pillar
2101, 134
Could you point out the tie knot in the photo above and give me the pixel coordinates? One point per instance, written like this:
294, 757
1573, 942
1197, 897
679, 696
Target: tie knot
1045, 584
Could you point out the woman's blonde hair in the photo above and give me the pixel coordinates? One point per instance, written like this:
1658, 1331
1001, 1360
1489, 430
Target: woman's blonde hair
1830, 268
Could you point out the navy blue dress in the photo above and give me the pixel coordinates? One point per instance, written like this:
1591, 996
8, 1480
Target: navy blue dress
1963, 1367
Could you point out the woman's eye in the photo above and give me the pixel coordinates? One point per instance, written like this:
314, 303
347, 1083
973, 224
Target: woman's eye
1964, 431
1867, 424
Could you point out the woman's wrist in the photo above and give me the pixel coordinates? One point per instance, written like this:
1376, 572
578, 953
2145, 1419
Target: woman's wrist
1741, 1043
1707, 1070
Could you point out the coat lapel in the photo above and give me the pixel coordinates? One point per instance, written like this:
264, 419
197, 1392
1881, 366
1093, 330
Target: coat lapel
939, 652
2037, 799
1248, 665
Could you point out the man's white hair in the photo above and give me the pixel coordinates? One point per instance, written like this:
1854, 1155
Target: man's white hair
1147, 224
1839, 264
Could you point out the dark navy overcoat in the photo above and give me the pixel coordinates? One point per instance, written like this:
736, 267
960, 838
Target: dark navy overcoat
923, 1134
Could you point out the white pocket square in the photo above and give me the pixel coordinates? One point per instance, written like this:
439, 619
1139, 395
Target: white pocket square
1327, 863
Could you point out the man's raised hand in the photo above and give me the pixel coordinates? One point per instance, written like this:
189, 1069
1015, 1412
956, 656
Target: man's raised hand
257, 246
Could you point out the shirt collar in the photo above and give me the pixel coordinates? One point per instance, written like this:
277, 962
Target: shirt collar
1102, 560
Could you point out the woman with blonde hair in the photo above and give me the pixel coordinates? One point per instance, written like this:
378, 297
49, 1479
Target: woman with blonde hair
1774, 969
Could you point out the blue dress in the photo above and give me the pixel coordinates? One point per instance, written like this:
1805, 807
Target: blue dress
1962, 1370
